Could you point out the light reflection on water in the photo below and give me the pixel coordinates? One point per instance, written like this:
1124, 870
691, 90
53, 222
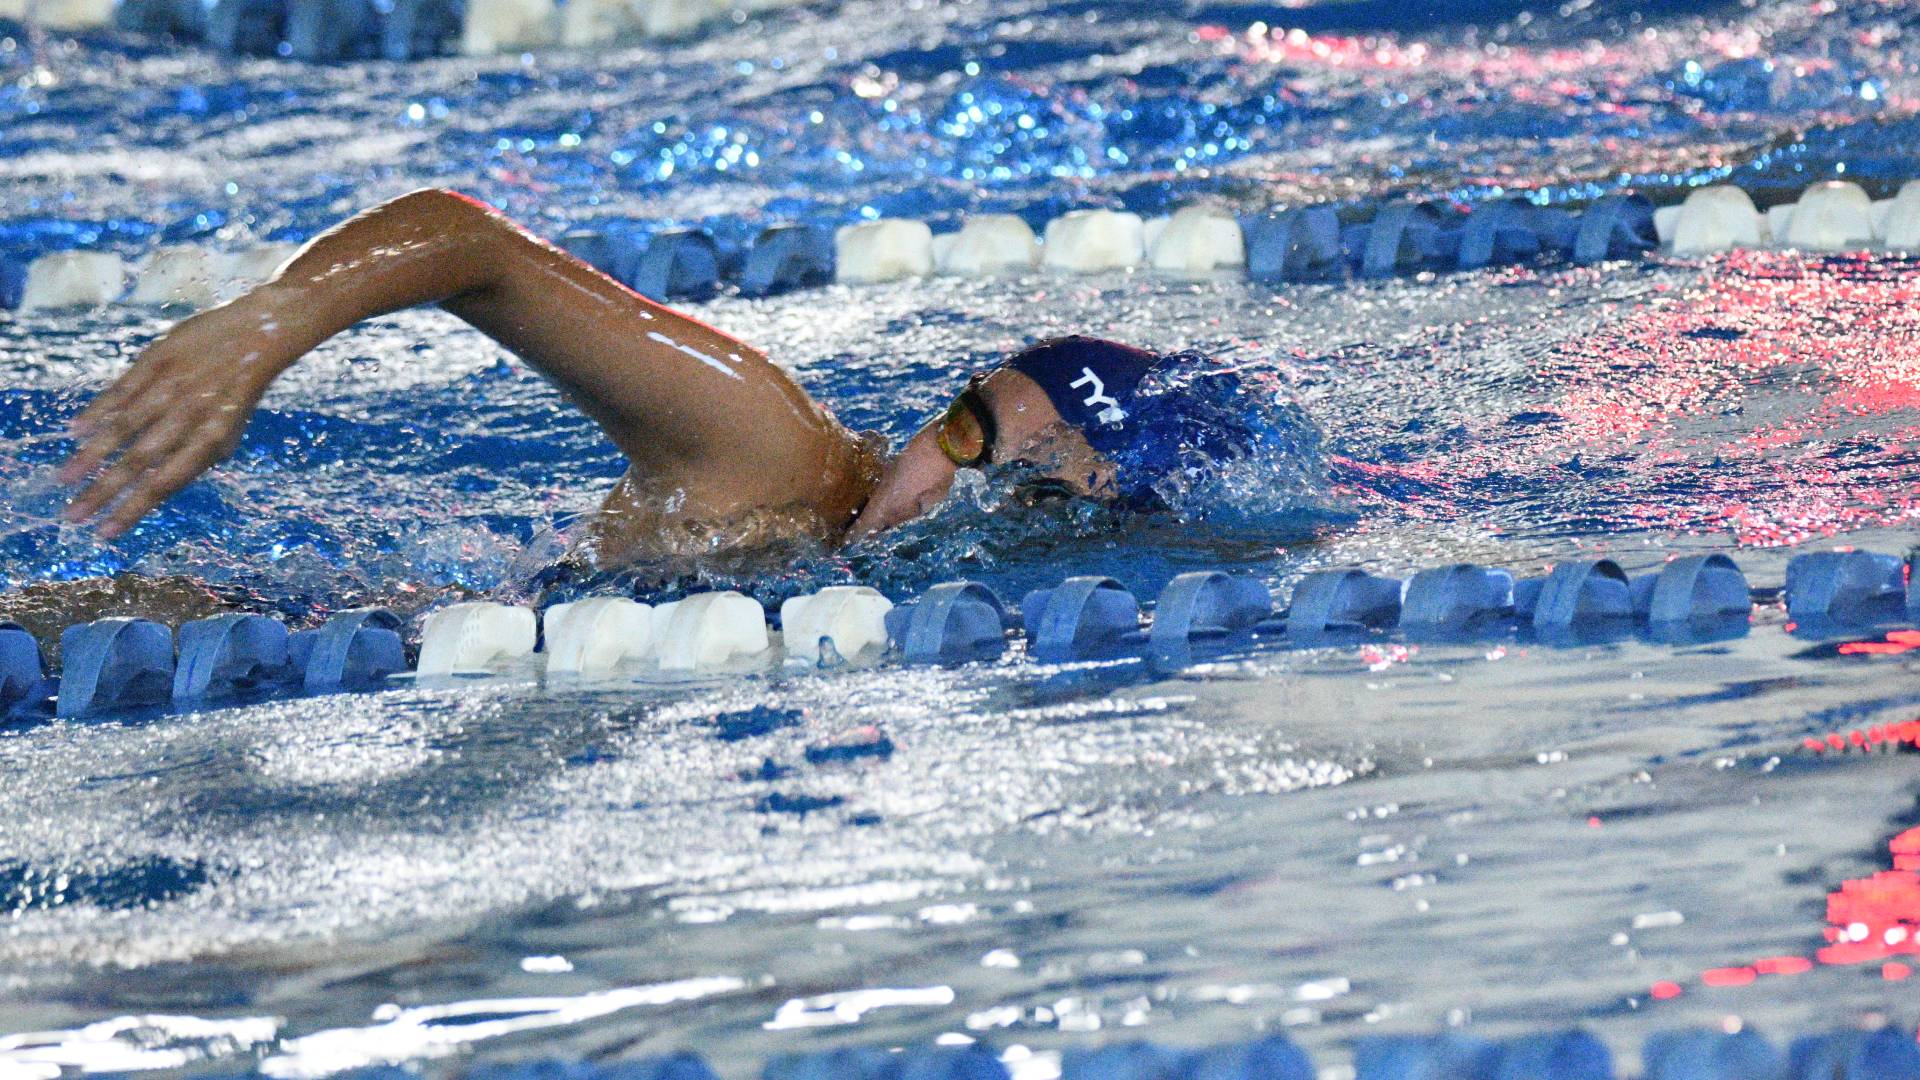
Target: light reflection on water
397, 1036
130, 1044
403, 1035
851, 1006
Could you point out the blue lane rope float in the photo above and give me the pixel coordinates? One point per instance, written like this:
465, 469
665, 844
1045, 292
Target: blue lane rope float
1694, 588
955, 622
1126, 1061
247, 27
866, 1063
846, 1063
176, 18
1300, 244
13, 281
784, 258
1443, 1056
1208, 603
23, 669
114, 664
682, 264
1712, 1055
1576, 594
616, 252
1565, 1055
1080, 618
230, 654
677, 264
673, 1067
355, 650
1271, 1058
1887, 1054
323, 31
1616, 227
1847, 586
1336, 601
596, 248
682, 1066
1453, 599
971, 1063
332, 30
419, 28
1497, 233
1557, 227
1401, 238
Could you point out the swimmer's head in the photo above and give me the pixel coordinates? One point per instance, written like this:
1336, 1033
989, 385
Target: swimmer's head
1083, 417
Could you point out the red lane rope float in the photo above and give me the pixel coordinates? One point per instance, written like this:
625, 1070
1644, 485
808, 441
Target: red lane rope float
1875, 918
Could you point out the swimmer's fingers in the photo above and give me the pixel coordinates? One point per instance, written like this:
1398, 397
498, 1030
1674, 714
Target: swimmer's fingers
116, 414
94, 450
154, 446
131, 383
203, 449
143, 399
91, 454
115, 429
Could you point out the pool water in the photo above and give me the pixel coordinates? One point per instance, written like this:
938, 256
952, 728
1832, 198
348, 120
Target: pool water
1331, 842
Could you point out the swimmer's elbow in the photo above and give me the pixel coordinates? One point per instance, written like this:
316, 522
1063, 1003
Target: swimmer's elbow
443, 205
471, 235
424, 247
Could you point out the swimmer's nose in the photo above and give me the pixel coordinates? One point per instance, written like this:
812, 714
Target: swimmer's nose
897, 502
881, 514
913, 482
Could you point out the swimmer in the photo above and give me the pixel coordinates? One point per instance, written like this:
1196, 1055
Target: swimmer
725, 449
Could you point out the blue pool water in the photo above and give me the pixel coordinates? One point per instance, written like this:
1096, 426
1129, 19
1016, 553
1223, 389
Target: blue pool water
1323, 842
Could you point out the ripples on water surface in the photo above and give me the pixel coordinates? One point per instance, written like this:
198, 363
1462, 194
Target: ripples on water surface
1331, 842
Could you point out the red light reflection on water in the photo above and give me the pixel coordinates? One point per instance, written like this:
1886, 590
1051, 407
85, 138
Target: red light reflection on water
1875, 918
1897, 642
1778, 401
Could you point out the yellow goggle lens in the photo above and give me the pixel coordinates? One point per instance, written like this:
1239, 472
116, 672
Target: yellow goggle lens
961, 436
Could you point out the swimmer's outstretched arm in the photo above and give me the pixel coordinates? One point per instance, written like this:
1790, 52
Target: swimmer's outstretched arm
693, 409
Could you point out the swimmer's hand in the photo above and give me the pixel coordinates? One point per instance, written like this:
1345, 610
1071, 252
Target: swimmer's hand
180, 410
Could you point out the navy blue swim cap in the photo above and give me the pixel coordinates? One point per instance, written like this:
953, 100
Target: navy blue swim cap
1170, 422
1090, 382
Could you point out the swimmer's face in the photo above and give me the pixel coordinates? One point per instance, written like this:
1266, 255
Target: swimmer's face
1028, 429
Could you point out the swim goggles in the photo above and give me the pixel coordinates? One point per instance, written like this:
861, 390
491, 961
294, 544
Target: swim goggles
968, 445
